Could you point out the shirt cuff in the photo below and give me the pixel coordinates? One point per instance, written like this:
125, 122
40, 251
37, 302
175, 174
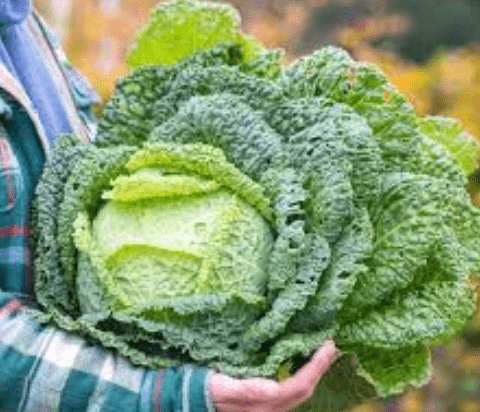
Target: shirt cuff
184, 389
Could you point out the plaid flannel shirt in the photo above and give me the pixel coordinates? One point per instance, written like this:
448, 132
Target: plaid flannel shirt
43, 369
46, 370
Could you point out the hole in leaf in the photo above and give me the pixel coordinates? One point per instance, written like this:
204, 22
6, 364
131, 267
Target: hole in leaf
292, 244
344, 274
293, 218
234, 54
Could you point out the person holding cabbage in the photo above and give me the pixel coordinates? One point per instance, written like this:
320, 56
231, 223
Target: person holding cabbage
46, 369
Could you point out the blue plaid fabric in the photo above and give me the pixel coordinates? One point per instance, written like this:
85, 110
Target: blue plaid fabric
22, 152
43, 369
21, 162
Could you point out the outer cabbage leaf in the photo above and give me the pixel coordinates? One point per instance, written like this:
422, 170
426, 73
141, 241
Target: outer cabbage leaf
340, 388
371, 371
347, 264
185, 27
434, 311
90, 176
450, 134
50, 282
394, 371
330, 73
419, 229
152, 94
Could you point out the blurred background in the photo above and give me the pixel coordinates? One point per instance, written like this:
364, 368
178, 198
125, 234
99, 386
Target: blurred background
430, 49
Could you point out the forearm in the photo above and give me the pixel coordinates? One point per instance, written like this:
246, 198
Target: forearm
44, 369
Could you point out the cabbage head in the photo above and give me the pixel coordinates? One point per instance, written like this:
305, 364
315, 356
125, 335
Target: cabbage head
236, 212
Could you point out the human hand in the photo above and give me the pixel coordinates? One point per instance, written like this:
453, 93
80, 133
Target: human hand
265, 395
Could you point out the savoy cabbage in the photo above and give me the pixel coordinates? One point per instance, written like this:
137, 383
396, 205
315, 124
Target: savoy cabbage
236, 212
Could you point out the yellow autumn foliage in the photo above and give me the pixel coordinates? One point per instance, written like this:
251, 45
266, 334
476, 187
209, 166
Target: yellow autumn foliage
99, 37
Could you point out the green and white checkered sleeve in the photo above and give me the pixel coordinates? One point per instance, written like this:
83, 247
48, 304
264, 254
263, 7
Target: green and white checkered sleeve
43, 369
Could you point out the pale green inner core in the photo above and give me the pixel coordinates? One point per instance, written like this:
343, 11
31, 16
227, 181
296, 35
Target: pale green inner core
153, 248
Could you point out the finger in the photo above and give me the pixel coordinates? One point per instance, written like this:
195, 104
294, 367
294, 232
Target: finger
300, 386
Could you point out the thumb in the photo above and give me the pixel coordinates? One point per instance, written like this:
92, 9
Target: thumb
299, 387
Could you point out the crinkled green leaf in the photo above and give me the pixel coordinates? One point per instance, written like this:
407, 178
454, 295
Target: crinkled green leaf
331, 73
205, 161
311, 264
153, 94
450, 134
416, 225
181, 28
346, 265
224, 121
393, 371
89, 177
50, 282
152, 183
432, 311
